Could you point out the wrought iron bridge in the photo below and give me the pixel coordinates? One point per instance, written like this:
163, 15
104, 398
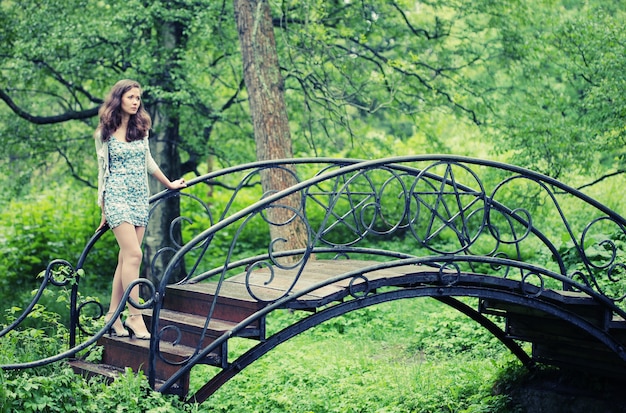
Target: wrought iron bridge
529, 258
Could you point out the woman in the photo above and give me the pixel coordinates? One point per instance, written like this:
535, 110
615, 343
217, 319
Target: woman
124, 162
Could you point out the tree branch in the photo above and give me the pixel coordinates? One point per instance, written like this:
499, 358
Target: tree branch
47, 120
602, 178
73, 171
471, 113
439, 33
70, 86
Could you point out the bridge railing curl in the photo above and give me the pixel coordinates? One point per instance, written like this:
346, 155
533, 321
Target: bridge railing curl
459, 214
405, 207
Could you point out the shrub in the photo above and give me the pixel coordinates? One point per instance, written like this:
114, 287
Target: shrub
55, 387
34, 230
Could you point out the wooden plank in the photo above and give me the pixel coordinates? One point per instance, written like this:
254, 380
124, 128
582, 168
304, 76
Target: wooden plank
110, 373
281, 282
549, 331
234, 306
208, 289
134, 353
191, 326
317, 272
592, 312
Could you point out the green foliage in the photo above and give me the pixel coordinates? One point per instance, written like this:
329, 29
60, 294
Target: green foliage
47, 225
561, 89
602, 250
365, 79
61, 390
57, 391
56, 388
367, 361
41, 335
451, 334
376, 78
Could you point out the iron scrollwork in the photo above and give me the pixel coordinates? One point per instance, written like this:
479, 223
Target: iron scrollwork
459, 215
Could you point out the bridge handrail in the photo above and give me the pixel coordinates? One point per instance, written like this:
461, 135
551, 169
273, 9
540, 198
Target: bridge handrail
75, 348
397, 167
350, 165
440, 264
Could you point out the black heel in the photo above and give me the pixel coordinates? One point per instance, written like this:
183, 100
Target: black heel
114, 332
145, 336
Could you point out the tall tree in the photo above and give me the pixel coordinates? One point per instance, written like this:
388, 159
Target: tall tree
351, 71
265, 87
54, 80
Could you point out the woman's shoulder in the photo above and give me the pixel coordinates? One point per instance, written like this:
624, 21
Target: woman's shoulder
101, 145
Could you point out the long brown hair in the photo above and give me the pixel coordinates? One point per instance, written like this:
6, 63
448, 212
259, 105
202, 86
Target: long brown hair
111, 114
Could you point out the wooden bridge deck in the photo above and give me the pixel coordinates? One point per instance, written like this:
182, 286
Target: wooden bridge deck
554, 340
314, 273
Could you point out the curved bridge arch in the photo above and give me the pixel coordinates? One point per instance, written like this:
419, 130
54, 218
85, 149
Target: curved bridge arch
473, 227
444, 197
418, 285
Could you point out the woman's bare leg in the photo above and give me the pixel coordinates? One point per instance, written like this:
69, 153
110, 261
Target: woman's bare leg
129, 239
117, 291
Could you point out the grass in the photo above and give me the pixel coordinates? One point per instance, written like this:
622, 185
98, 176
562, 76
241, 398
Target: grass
410, 356
378, 359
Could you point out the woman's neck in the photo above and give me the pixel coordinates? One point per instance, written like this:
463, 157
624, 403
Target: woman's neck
125, 119
122, 131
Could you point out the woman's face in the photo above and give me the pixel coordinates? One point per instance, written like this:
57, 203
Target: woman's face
131, 101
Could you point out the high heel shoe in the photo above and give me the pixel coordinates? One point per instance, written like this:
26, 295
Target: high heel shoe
113, 330
141, 336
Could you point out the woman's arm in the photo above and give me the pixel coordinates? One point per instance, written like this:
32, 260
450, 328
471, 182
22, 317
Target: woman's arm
160, 176
154, 169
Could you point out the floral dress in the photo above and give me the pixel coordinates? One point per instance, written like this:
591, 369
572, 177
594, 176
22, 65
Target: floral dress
125, 189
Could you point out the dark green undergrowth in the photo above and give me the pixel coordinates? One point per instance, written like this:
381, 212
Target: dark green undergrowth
55, 387
406, 356
60, 390
413, 355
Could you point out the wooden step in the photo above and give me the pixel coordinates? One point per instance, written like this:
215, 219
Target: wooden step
110, 373
124, 352
556, 341
191, 329
234, 304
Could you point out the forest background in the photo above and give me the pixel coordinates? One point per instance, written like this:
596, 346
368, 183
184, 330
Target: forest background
537, 83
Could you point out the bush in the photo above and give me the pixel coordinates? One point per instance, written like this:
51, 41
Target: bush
58, 389
37, 229
55, 387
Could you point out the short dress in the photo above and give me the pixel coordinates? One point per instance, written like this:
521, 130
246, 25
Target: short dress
125, 189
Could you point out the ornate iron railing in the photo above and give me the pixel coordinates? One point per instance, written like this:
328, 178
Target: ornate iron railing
437, 202
458, 214
463, 215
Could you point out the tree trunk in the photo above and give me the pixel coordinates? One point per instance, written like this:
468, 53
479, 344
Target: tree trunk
163, 146
265, 87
